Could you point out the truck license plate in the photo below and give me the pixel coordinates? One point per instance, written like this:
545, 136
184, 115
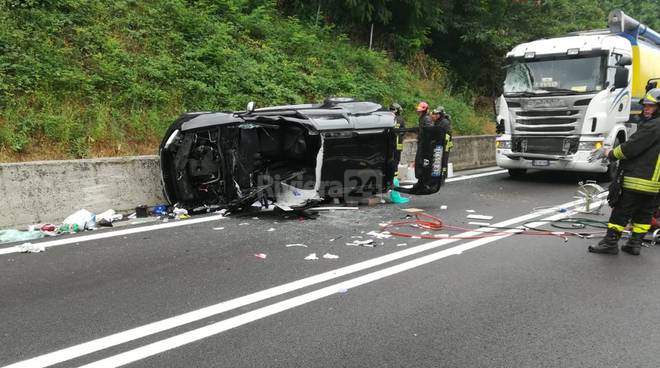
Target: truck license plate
540, 163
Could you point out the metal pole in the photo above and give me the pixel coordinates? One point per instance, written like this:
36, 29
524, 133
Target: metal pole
371, 36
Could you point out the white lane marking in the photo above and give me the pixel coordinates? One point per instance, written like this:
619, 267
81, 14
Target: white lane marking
222, 326
136, 230
466, 177
176, 321
112, 234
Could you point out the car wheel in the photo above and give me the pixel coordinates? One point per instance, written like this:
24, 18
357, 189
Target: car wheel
517, 173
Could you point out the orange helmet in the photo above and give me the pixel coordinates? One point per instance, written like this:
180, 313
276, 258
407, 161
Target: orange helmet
422, 106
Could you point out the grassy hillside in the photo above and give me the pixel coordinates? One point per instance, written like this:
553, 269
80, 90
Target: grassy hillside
85, 78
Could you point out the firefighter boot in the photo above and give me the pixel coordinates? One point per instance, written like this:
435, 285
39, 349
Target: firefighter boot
608, 245
634, 244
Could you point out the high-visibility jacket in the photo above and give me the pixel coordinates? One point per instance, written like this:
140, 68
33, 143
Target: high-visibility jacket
640, 158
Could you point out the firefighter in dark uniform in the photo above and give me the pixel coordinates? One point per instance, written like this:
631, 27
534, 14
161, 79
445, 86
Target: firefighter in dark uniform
423, 113
640, 181
442, 119
399, 123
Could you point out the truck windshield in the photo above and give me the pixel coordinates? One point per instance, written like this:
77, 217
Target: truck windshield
569, 76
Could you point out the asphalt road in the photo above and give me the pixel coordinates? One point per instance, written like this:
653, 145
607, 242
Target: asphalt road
196, 296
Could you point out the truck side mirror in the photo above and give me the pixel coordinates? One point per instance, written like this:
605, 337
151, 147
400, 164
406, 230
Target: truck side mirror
621, 77
624, 60
250, 107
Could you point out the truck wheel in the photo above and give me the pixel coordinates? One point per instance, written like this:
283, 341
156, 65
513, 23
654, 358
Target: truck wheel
612, 168
517, 173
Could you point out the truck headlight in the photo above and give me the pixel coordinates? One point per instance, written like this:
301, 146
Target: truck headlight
503, 144
589, 145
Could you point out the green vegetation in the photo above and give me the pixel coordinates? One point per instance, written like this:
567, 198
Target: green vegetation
86, 78
81, 78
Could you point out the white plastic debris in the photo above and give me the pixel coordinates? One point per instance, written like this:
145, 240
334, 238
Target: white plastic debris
83, 218
218, 228
108, 217
330, 256
243, 224
30, 248
470, 211
426, 233
362, 243
180, 211
271, 229
480, 217
296, 245
311, 257
261, 255
443, 207
402, 244
255, 218
377, 235
415, 237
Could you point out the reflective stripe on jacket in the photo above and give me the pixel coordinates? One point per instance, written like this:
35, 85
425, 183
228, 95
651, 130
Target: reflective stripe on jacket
640, 158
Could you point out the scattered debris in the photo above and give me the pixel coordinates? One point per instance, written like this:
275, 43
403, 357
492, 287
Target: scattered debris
261, 255
480, 217
243, 224
83, 218
330, 256
412, 210
30, 248
255, 218
311, 257
356, 237
443, 207
470, 211
160, 210
362, 243
415, 237
143, 211
218, 228
108, 217
384, 224
402, 244
425, 233
271, 229
342, 290
296, 245
377, 235
11, 235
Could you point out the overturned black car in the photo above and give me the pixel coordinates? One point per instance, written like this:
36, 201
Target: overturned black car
292, 156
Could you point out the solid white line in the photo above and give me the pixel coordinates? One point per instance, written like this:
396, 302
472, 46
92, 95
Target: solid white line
219, 327
140, 229
466, 177
112, 234
172, 322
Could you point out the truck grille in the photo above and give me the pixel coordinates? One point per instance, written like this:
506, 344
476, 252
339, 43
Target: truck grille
545, 145
538, 116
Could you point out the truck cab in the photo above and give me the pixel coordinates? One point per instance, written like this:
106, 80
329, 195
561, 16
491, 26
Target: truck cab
564, 97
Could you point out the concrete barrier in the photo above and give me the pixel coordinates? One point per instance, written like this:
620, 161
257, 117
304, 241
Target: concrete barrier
469, 152
49, 191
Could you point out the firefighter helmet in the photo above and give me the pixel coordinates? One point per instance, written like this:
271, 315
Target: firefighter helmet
652, 97
422, 106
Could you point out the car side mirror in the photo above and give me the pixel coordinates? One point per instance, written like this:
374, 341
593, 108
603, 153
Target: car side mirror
621, 77
250, 107
624, 60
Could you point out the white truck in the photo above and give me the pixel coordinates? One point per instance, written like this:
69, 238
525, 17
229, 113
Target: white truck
566, 96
